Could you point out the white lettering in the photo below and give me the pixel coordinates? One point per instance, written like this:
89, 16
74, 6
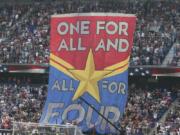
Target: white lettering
62, 26
100, 45
85, 27
112, 28
99, 26
120, 45
111, 31
81, 27
63, 45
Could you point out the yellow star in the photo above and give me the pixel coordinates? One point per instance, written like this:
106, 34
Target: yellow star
89, 78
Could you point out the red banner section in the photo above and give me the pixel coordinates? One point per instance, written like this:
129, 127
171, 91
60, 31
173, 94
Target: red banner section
110, 36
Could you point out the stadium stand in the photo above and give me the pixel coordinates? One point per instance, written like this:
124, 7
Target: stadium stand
24, 39
145, 107
171, 124
176, 55
27, 28
23, 102
20, 102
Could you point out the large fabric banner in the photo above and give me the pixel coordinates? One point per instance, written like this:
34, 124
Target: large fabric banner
89, 70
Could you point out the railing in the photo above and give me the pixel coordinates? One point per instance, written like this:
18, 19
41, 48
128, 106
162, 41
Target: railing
67, 130
27, 128
6, 131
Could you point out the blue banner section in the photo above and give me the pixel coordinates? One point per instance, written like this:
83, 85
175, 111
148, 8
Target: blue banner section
60, 108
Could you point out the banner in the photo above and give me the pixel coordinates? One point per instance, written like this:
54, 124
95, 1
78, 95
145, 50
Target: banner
89, 66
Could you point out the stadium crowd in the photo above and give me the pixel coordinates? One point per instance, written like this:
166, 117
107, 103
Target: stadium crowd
9, 17
24, 39
23, 102
172, 123
176, 56
145, 107
27, 28
19, 101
